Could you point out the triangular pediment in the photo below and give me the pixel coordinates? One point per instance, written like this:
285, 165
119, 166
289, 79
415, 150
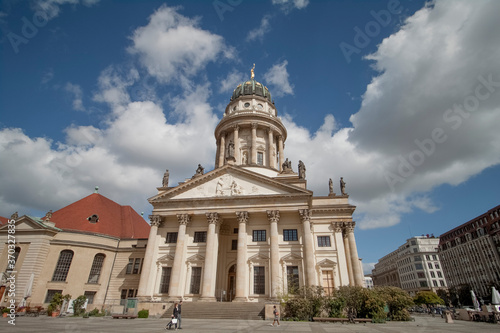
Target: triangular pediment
291, 257
258, 256
27, 223
327, 263
196, 257
228, 182
167, 257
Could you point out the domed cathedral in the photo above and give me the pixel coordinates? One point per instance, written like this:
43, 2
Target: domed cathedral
250, 133
249, 230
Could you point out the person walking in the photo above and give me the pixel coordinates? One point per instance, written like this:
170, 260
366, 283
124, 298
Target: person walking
176, 315
276, 316
179, 315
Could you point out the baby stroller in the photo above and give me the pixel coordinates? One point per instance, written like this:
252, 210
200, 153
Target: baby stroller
173, 322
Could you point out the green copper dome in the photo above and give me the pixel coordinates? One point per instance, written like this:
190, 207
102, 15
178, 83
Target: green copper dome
251, 87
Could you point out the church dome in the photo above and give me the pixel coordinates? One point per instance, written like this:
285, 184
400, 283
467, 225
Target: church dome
251, 87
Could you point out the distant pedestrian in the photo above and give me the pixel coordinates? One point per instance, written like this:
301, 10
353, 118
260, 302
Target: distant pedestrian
179, 315
276, 316
176, 315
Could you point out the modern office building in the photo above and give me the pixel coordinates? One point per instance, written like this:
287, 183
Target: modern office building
415, 266
470, 253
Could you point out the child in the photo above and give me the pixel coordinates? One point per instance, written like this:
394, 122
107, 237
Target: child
276, 316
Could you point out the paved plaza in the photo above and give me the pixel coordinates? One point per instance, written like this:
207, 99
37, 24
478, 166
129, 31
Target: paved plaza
107, 324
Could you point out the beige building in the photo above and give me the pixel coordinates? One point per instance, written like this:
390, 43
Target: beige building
415, 266
249, 230
470, 253
93, 247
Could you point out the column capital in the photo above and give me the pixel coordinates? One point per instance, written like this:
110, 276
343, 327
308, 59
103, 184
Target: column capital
242, 217
337, 226
155, 220
273, 216
213, 218
236, 127
349, 226
305, 215
183, 218
255, 125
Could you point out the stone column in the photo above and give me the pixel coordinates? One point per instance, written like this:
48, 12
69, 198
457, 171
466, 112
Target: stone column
341, 255
222, 148
175, 278
146, 282
241, 262
356, 267
280, 152
236, 145
253, 158
348, 258
209, 270
305, 216
274, 216
270, 159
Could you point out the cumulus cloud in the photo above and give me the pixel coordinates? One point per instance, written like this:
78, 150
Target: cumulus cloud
368, 267
260, 31
278, 78
173, 47
288, 5
231, 81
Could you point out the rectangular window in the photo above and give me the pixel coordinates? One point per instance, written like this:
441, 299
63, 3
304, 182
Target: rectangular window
436, 266
435, 283
428, 257
137, 266
441, 282
200, 237
439, 274
434, 257
324, 241
421, 275
292, 276
123, 294
259, 236
259, 280
430, 265
234, 244
417, 258
419, 266
171, 237
165, 279
50, 294
432, 274
130, 265
89, 295
130, 293
235, 230
195, 280
423, 284
260, 158
290, 235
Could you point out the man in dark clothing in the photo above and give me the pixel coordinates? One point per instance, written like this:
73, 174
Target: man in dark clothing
179, 316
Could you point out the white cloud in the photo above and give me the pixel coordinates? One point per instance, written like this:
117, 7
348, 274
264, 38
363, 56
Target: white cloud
368, 267
173, 47
77, 93
288, 5
52, 9
231, 81
278, 78
259, 32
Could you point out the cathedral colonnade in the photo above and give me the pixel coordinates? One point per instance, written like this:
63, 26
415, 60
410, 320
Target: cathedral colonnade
264, 274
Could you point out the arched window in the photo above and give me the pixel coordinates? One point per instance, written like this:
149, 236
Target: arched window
62, 267
95, 271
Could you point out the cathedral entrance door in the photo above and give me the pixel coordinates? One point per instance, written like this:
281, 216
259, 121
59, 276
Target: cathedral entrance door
231, 283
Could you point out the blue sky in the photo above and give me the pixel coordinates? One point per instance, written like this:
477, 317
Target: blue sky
402, 99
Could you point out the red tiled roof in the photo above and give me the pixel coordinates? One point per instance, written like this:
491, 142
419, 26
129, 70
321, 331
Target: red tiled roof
3, 220
114, 219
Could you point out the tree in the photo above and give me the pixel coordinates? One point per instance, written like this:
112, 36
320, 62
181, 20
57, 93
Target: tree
398, 302
427, 298
78, 305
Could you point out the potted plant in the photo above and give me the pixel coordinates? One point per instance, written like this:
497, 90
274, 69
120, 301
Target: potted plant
54, 307
5, 312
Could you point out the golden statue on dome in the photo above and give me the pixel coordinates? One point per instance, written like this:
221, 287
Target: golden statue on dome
252, 75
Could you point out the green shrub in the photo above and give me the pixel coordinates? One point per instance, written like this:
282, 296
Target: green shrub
94, 313
78, 304
143, 314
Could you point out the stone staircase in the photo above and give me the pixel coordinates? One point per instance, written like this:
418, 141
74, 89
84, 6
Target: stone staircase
219, 310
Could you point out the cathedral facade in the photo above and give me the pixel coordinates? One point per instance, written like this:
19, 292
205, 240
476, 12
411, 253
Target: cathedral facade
249, 230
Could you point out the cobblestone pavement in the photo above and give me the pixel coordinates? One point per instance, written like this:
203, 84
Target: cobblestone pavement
421, 324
